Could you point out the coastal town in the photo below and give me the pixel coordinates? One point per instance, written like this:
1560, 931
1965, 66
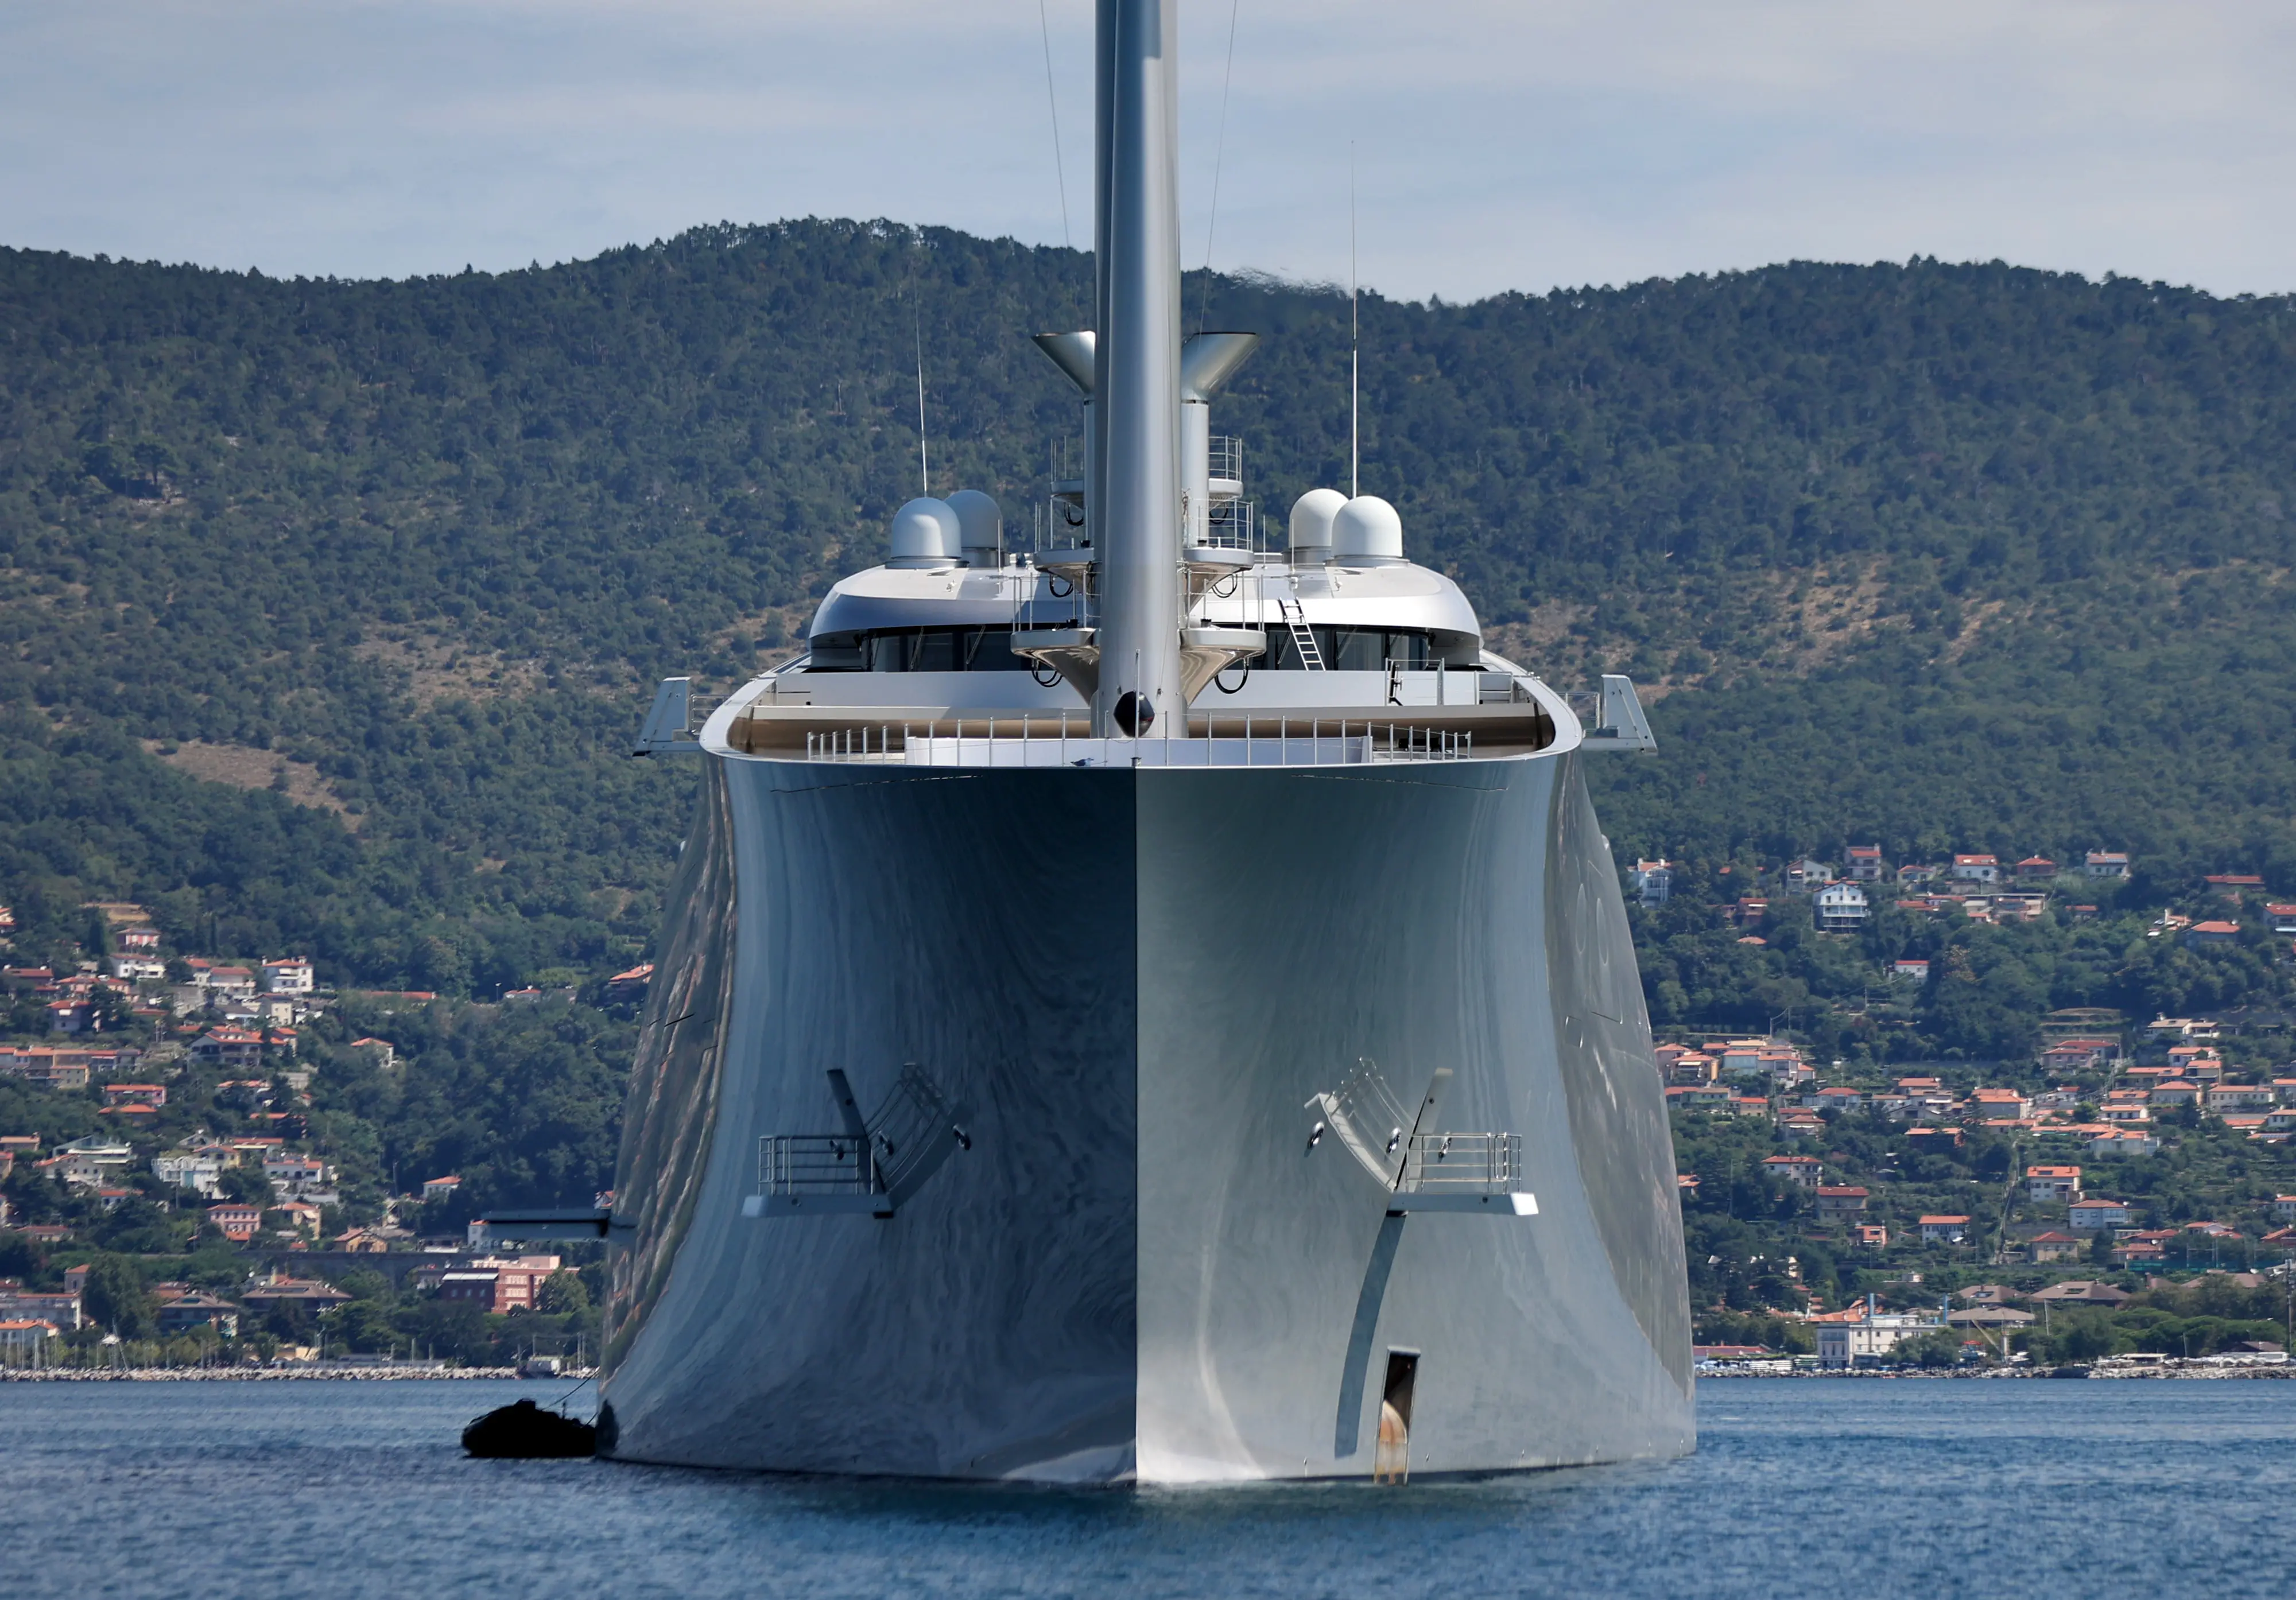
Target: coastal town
205, 1222
2123, 1197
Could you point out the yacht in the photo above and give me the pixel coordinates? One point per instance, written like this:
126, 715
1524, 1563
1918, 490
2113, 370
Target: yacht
1150, 1003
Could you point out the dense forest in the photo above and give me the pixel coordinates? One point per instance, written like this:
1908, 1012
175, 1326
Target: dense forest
328, 606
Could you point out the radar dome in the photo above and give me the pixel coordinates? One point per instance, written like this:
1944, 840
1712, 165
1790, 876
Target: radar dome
1311, 521
925, 530
1366, 529
983, 525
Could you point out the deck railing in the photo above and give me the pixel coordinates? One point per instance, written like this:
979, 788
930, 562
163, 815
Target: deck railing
1252, 741
1470, 1164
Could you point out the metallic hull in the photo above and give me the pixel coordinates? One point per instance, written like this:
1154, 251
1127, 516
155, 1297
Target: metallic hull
1142, 1271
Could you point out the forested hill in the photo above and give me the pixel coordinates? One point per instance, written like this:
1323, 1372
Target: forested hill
330, 606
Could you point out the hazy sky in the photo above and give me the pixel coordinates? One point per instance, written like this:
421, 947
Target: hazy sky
1515, 145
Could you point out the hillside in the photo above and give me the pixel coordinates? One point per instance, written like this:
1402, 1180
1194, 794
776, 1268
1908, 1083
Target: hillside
1945, 556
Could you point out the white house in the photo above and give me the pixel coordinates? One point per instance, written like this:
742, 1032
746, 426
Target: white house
1913, 969
1977, 869
1866, 863
291, 975
1841, 907
200, 1174
2097, 1212
2106, 864
1654, 881
1869, 1338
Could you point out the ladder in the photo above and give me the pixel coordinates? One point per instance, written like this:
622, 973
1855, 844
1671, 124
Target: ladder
1295, 617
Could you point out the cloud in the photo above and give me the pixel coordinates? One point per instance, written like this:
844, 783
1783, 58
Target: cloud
1494, 146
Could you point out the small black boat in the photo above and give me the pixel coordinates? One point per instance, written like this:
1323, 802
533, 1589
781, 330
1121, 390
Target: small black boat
523, 1430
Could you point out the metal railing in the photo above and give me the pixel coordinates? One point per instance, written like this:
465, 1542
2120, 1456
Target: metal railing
1233, 525
1227, 458
899, 1142
816, 1163
1463, 1163
1048, 740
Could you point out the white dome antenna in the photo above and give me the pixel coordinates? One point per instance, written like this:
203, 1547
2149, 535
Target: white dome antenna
926, 533
1366, 532
981, 524
1311, 523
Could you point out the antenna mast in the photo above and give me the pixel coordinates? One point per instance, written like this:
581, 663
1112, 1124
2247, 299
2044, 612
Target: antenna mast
1354, 346
917, 324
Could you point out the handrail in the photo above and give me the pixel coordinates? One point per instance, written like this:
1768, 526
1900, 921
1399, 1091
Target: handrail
1251, 740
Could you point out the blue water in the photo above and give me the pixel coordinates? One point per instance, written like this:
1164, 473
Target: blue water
1845, 1489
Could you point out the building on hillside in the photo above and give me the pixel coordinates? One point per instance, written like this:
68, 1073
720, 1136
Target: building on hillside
2051, 1183
62, 1310
2239, 1096
2008, 1104
229, 1049
381, 1053
1977, 869
2080, 1055
1837, 1201
289, 975
1911, 969
235, 1221
2074, 1293
1918, 872
494, 1283
2053, 1246
153, 1094
630, 985
2284, 1206
1864, 1336
73, 1016
2106, 864
188, 1170
1802, 1172
2036, 866
2201, 936
1944, 1230
2232, 886
2094, 1212
1841, 908
186, 1312
235, 983
277, 1290
1652, 880
1866, 863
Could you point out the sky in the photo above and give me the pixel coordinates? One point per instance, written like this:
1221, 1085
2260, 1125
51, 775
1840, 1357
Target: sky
1494, 147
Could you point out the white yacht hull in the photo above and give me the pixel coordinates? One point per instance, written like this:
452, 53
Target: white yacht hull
1135, 981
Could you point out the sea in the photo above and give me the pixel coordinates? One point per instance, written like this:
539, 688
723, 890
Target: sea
1848, 1488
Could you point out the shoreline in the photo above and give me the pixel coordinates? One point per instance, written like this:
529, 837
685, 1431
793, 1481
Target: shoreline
268, 1374
2195, 1372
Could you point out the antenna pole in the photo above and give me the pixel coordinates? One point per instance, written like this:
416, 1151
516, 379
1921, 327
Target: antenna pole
917, 324
1354, 346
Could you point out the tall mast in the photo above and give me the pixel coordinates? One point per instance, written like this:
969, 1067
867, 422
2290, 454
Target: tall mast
1136, 397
